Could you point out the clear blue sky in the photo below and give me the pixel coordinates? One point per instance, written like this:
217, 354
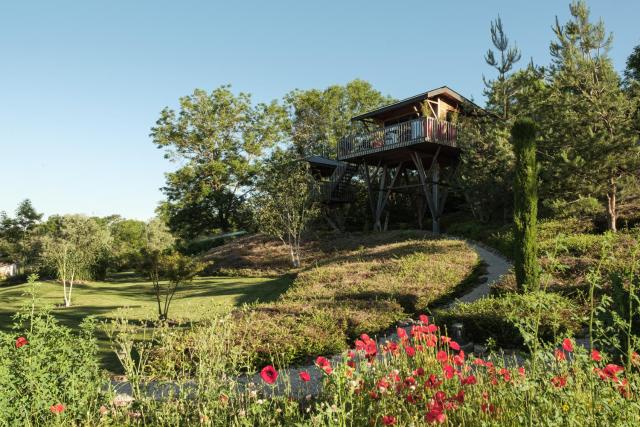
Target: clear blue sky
82, 82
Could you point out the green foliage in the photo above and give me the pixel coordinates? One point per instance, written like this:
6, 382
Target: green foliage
589, 144
16, 235
220, 136
55, 366
525, 215
283, 202
321, 118
500, 91
501, 318
73, 245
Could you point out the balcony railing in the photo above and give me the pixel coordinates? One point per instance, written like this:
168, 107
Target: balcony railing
424, 129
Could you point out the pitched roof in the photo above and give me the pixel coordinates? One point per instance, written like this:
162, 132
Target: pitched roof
443, 90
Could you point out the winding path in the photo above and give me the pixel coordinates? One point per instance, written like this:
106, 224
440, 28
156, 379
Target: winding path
496, 267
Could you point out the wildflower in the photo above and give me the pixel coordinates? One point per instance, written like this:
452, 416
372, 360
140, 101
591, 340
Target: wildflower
269, 374
623, 388
559, 381
418, 372
478, 362
374, 395
506, 375
410, 351
423, 319
567, 345
432, 328
433, 382
304, 376
432, 340
324, 364
402, 334
449, 371
410, 381
635, 359
612, 370
459, 358
57, 408
459, 397
351, 364
383, 385
103, 410
559, 355
595, 355
441, 356
488, 408
445, 339
521, 371
454, 346
470, 380
435, 414
389, 420
21, 341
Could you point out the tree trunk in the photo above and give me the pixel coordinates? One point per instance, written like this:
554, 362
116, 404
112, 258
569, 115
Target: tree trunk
612, 208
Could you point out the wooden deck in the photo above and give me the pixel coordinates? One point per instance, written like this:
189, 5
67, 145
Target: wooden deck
418, 134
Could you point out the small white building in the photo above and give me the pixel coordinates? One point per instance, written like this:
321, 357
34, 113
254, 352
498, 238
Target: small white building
8, 270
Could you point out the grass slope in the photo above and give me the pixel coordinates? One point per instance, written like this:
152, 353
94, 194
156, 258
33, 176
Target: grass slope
367, 284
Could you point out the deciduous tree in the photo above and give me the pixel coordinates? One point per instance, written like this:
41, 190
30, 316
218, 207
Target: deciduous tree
220, 137
283, 200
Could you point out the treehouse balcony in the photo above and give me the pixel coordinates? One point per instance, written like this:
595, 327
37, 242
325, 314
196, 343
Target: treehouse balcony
410, 133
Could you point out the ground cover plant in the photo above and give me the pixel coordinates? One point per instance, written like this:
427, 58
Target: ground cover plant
365, 283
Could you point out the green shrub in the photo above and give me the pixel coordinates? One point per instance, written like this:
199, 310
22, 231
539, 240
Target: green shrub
493, 317
49, 365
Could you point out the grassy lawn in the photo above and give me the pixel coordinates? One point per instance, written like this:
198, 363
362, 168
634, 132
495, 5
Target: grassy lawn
129, 296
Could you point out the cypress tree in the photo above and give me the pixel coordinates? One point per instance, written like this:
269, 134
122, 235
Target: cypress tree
525, 188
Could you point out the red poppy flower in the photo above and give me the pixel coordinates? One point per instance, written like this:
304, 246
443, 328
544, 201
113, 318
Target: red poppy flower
423, 319
389, 420
21, 342
269, 374
410, 351
521, 371
595, 355
409, 381
324, 364
418, 372
488, 408
454, 346
374, 395
435, 416
441, 356
449, 371
402, 334
304, 376
432, 328
559, 381
433, 382
567, 345
559, 354
612, 370
57, 408
470, 380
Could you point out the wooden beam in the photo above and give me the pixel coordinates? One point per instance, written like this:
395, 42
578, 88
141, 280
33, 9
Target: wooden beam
376, 224
393, 182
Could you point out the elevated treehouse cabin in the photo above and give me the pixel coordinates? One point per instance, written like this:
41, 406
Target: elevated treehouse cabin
407, 147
